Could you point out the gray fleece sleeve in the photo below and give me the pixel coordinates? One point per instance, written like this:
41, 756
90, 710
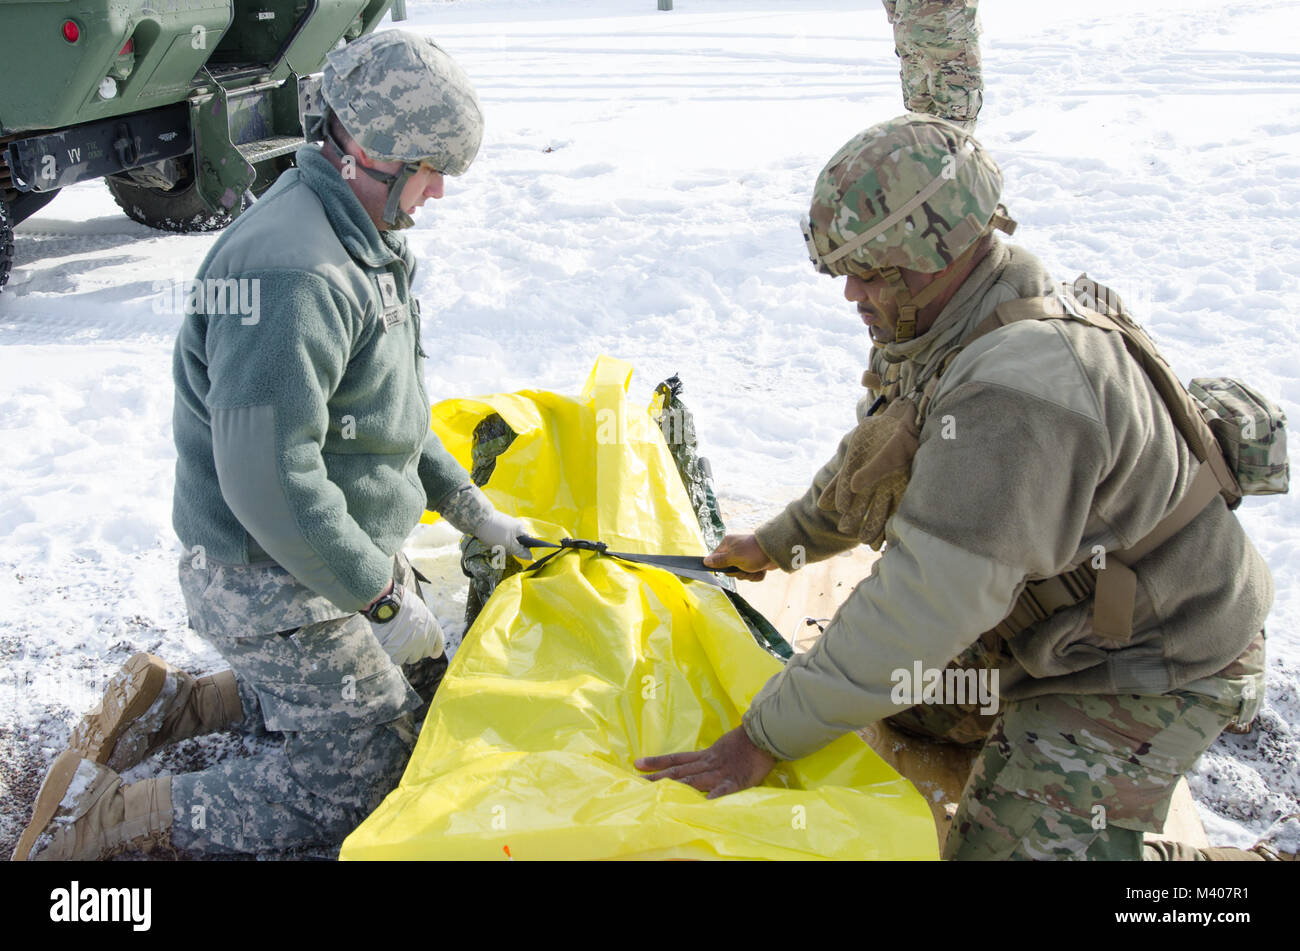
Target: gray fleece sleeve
440, 473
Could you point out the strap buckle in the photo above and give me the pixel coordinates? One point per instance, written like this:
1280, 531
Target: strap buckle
582, 544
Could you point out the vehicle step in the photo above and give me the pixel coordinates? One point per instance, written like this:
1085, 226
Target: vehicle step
269, 148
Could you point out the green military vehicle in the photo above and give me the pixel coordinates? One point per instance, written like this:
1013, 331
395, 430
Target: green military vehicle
187, 108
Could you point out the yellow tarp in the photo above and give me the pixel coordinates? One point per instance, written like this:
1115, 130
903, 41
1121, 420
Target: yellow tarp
570, 673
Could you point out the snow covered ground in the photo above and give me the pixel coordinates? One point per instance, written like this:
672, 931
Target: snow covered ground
638, 194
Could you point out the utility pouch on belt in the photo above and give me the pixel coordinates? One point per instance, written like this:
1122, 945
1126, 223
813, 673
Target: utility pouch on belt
1251, 431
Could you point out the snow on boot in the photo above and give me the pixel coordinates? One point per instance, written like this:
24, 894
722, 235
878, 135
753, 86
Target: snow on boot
84, 812
150, 703
1281, 843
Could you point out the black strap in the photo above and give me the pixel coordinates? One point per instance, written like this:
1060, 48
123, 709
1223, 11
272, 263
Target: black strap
689, 566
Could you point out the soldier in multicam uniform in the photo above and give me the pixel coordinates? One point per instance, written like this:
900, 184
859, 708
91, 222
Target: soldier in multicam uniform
304, 460
937, 43
991, 455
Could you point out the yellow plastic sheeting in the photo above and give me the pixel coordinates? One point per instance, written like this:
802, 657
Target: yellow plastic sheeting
573, 671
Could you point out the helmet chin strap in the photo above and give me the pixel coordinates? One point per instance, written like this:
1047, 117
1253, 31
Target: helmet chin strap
394, 216
909, 304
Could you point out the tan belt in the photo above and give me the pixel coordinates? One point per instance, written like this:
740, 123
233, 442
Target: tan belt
1114, 587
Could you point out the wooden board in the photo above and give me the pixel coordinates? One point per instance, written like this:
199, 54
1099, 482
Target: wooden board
938, 770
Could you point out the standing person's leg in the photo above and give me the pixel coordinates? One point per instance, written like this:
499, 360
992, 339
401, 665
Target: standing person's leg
913, 68
938, 45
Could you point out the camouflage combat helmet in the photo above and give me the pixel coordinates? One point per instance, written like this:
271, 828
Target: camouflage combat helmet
403, 99
915, 192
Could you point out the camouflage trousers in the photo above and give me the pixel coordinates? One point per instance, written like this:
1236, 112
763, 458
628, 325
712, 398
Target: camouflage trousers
1083, 776
937, 43
343, 714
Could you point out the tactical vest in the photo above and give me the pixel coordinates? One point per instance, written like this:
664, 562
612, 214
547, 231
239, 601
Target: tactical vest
1109, 579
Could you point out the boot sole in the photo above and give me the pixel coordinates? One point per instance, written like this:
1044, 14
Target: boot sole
55, 787
146, 675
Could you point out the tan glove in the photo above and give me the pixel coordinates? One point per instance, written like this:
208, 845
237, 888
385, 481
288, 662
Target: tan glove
873, 477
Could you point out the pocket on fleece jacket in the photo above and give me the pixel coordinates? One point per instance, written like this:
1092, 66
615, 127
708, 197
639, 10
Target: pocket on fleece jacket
1062, 644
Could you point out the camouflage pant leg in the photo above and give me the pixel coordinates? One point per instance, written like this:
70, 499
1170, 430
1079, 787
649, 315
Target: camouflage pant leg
1172, 852
424, 675
937, 42
1083, 777
310, 793
252, 723
959, 723
1241, 682
345, 712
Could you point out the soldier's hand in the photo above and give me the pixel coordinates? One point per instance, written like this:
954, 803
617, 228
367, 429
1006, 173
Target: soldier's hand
471, 512
504, 530
731, 764
743, 552
413, 633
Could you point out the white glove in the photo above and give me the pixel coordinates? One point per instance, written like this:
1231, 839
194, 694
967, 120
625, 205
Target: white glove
469, 511
504, 530
413, 633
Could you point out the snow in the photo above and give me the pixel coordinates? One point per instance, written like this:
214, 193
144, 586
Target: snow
81, 781
638, 194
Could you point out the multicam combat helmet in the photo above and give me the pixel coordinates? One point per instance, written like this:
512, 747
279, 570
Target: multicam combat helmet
403, 99
915, 192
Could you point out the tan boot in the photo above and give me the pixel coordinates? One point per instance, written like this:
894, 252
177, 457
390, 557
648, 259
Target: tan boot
84, 812
148, 704
1228, 853
1280, 843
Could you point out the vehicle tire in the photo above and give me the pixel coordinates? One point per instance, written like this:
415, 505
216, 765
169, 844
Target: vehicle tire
180, 209
6, 243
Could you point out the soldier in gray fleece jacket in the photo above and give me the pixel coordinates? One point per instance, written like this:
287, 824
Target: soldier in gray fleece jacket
304, 459
1026, 453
